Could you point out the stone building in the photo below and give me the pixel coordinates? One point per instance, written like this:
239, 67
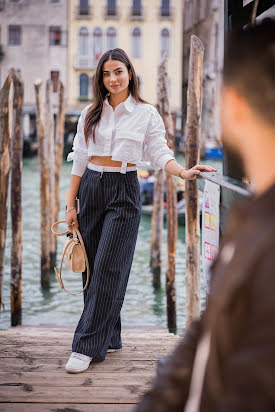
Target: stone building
33, 39
205, 18
144, 29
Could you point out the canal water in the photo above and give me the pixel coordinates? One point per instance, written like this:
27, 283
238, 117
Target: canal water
143, 306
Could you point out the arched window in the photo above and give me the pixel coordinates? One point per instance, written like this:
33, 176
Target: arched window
111, 38
111, 7
139, 84
83, 85
97, 50
83, 41
136, 43
165, 42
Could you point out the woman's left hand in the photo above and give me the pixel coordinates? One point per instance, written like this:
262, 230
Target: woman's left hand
192, 173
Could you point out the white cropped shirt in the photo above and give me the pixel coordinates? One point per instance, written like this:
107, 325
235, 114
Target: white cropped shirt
132, 133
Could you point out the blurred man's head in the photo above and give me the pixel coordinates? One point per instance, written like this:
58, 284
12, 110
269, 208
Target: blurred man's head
248, 95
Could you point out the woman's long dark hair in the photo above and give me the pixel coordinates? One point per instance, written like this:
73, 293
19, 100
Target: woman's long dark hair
99, 90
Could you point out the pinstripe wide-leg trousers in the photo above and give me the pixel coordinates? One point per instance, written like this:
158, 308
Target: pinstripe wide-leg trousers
110, 212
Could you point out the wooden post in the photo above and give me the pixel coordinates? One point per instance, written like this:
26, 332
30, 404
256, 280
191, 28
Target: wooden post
59, 144
16, 206
156, 227
6, 114
192, 215
44, 189
171, 194
49, 136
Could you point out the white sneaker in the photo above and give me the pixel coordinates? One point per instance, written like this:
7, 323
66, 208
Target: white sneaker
113, 350
78, 362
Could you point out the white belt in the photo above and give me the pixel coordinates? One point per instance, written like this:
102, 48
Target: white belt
121, 169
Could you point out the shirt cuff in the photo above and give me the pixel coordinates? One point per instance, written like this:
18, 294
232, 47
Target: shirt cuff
164, 159
78, 168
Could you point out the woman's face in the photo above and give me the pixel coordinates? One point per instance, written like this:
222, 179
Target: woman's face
115, 76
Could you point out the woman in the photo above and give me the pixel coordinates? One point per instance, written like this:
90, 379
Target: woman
114, 134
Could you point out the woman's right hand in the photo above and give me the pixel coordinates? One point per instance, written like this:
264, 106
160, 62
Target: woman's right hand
71, 219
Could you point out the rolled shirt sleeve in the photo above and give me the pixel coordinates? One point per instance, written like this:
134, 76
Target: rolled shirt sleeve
156, 150
79, 155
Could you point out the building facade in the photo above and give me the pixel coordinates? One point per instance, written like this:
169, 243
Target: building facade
33, 39
144, 29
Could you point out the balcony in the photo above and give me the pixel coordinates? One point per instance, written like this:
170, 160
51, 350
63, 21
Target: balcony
166, 14
111, 14
85, 63
136, 15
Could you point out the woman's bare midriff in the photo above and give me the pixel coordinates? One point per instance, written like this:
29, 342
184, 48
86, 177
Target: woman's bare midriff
106, 161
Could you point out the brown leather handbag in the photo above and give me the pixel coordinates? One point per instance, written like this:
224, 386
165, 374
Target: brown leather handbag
74, 255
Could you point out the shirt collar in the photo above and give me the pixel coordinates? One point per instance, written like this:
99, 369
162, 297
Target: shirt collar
129, 103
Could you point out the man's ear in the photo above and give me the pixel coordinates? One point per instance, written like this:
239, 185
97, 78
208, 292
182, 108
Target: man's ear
236, 105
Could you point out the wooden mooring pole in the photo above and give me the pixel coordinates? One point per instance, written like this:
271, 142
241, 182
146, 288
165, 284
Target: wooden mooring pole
59, 144
171, 197
16, 204
192, 215
6, 114
49, 136
44, 188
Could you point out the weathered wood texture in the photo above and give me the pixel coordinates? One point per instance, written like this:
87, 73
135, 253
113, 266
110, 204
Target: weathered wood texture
156, 228
59, 145
6, 112
44, 188
192, 216
16, 204
32, 374
171, 197
49, 136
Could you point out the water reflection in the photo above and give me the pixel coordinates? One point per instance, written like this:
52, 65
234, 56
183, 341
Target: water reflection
143, 306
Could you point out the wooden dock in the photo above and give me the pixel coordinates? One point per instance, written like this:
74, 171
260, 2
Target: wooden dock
33, 376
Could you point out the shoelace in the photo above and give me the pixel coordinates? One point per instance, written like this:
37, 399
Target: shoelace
79, 356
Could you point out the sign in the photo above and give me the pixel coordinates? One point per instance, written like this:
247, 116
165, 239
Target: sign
210, 228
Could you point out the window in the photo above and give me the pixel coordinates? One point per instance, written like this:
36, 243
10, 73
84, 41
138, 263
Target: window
14, 1
165, 42
165, 8
84, 7
83, 41
55, 80
111, 38
14, 34
55, 35
97, 50
55, 1
111, 8
83, 85
136, 43
136, 11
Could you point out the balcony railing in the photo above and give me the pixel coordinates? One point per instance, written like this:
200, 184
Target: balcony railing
111, 13
166, 13
136, 14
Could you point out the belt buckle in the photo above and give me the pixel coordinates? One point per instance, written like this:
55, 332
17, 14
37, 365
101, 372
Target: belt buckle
123, 167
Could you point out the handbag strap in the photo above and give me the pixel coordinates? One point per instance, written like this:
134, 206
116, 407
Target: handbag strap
59, 278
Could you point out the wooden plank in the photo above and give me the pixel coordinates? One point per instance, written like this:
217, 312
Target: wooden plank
67, 379
66, 407
87, 394
55, 365
57, 352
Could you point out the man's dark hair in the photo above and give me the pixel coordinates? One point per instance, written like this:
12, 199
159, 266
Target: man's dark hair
250, 67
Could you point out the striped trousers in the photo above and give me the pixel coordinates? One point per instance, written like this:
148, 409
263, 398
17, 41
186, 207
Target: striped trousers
110, 212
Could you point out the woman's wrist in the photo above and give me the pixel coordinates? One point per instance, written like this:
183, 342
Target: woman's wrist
181, 174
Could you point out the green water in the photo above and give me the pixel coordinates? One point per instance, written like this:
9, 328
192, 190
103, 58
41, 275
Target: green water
143, 306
